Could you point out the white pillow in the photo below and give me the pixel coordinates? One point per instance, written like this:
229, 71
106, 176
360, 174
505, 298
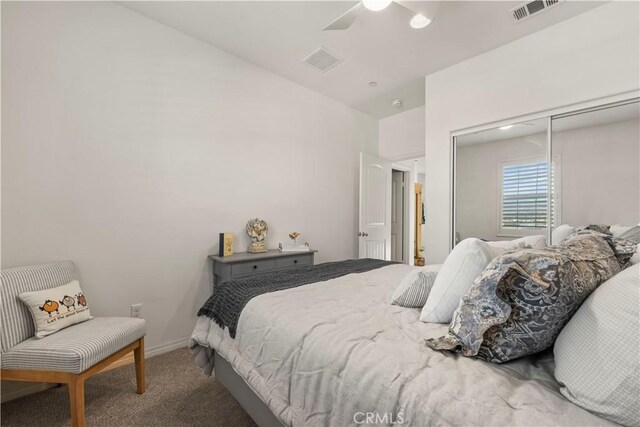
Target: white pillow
618, 229
414, 288
56, 308
537, 242
596, 354
560, 233
630, 233
465, 262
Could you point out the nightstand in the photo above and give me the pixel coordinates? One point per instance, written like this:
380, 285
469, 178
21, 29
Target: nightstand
246, 264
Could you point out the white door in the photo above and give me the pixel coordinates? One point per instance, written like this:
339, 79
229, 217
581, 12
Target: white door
374, 233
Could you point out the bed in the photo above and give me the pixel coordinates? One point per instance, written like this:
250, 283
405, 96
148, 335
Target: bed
337, 353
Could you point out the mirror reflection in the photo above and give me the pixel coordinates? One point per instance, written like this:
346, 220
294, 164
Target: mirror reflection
597, 168
501, 182
505, 189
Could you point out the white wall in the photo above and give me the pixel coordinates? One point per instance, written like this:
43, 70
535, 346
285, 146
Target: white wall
401, 136
128, 146
598, 177
595, 54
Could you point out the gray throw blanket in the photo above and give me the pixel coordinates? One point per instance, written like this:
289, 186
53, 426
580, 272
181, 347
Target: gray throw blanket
230, 297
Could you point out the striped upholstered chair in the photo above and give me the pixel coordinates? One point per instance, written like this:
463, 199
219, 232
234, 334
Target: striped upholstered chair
71, 355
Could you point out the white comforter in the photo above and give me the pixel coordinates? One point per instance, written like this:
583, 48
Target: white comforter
330, 353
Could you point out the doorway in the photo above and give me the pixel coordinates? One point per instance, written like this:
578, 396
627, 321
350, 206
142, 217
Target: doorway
391, 212
416, 232
399, 219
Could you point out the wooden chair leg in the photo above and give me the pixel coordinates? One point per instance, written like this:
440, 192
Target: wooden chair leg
76, 398
138, 354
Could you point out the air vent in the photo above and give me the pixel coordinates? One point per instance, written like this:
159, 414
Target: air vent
530, 8
321, 59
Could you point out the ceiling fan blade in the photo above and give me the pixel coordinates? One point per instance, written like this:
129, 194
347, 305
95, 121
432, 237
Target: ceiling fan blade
345, 20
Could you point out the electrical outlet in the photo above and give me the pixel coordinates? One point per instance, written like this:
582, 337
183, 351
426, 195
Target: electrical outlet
136, 311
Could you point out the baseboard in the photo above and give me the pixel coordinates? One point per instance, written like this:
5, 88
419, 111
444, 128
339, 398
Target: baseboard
24, 389
149, 352
28, 388
166, 347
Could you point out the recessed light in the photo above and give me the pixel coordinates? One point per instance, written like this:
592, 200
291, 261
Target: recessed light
376, 5
373, 84
505, 127
419, 21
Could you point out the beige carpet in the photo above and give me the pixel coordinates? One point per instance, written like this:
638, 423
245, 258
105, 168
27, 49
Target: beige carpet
178, 394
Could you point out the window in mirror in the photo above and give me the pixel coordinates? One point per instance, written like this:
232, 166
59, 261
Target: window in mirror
525, 195
501, 184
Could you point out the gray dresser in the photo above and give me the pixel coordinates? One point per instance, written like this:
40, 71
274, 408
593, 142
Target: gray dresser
246, 264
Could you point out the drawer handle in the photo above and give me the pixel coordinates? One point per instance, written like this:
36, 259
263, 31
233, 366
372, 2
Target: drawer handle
255, 266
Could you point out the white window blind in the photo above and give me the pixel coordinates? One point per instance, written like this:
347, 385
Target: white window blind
525, 195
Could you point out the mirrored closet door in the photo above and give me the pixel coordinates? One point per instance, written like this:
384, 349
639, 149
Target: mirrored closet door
530, 177
597, 165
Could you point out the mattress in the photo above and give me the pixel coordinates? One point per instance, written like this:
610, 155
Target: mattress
337, 353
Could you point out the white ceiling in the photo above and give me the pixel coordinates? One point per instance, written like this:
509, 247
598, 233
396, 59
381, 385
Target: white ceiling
379, 46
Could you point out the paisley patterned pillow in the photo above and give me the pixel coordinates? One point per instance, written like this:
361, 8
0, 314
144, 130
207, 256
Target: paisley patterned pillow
523, 299
622, 245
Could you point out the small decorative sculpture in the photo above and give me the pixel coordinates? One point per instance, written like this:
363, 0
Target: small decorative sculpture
257, 229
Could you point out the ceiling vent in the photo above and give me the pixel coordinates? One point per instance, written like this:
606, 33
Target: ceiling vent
530, 8
321, 59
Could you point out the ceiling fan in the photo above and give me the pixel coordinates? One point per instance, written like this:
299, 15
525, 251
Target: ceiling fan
422, 12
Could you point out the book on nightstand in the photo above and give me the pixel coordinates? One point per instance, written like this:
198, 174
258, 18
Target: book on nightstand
226, 244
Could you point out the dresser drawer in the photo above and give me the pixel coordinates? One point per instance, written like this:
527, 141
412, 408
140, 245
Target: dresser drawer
244, 264
293, 261
252, 267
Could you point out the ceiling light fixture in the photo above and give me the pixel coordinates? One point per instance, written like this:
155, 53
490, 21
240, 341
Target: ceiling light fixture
396, 102
376, 5
422, 12
505, 127
419, 21
373, 84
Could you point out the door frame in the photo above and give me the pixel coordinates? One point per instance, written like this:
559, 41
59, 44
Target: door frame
409, 211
